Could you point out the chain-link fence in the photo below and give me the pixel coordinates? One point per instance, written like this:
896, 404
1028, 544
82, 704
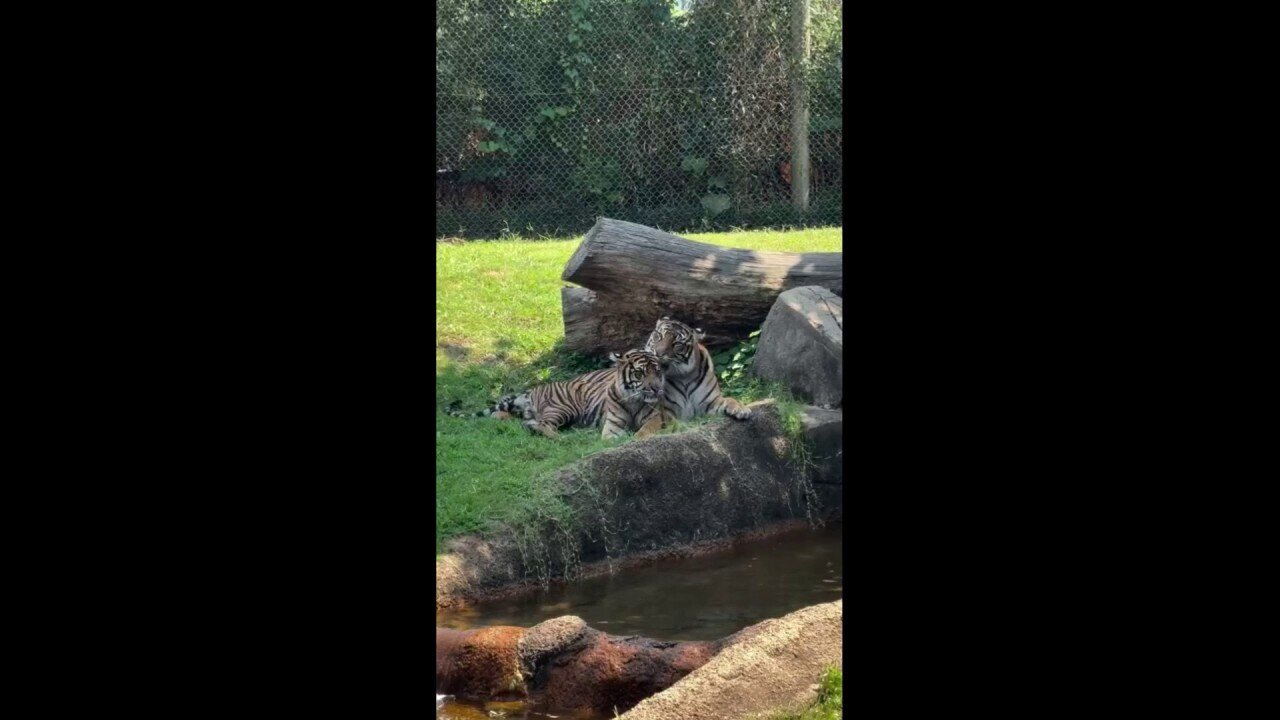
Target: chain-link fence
671, 113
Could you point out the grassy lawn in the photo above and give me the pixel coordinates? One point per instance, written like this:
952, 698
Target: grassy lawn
498, 330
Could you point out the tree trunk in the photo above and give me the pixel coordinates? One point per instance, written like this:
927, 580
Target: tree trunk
799, 105
639, 274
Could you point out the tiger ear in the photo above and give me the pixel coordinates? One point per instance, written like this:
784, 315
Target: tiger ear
665, 317
614, 358
700, 333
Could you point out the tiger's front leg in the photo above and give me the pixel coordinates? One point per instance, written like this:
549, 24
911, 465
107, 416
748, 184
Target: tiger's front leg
613, 425
651, 426
670, 418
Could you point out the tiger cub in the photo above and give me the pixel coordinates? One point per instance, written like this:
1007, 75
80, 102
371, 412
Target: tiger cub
691, 385
624, 397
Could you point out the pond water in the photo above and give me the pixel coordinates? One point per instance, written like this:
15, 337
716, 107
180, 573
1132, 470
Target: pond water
700, 598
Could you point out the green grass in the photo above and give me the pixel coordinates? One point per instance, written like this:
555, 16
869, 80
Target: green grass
830, 699
499, 330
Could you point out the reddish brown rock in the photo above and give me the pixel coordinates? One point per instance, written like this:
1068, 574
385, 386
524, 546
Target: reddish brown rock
562, 664
479, 663
611, 671
549, 639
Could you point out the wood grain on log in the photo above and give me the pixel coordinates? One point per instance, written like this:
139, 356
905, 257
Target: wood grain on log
638, 274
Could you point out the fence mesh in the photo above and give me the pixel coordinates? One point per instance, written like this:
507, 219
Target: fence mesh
670, 113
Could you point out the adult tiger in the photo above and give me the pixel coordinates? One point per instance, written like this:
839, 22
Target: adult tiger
691, 385
623, 397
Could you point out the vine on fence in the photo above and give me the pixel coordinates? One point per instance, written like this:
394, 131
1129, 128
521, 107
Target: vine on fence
551, 112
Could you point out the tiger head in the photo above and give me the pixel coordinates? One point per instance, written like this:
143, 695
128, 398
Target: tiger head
639, 374
673, 342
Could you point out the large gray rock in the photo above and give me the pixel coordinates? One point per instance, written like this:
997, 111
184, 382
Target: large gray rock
801, 344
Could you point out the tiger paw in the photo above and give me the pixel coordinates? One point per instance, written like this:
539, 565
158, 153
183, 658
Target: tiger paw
539, 428
742, 412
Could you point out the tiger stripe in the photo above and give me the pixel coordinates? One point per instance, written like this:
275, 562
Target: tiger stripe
613, 398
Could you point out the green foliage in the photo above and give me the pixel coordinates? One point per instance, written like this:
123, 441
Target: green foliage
693, 165
568, 109
715, 204
732, 365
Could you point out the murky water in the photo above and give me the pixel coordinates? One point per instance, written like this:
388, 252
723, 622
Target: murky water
702, 598
466, 710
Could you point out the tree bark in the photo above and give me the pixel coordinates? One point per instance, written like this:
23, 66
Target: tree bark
581, 322
639, 274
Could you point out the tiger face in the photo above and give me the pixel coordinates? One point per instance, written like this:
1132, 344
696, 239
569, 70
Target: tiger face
673, 341
639, 375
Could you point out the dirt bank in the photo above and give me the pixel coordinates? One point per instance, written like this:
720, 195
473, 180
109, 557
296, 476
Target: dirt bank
667, 496
768, 667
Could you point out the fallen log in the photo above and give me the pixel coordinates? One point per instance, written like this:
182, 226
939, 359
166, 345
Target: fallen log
635, 274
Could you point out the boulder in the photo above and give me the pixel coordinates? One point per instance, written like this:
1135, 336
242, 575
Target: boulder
548, 639
824, 429
610, 672
801, 345
479, 663
769, 667
563, 664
